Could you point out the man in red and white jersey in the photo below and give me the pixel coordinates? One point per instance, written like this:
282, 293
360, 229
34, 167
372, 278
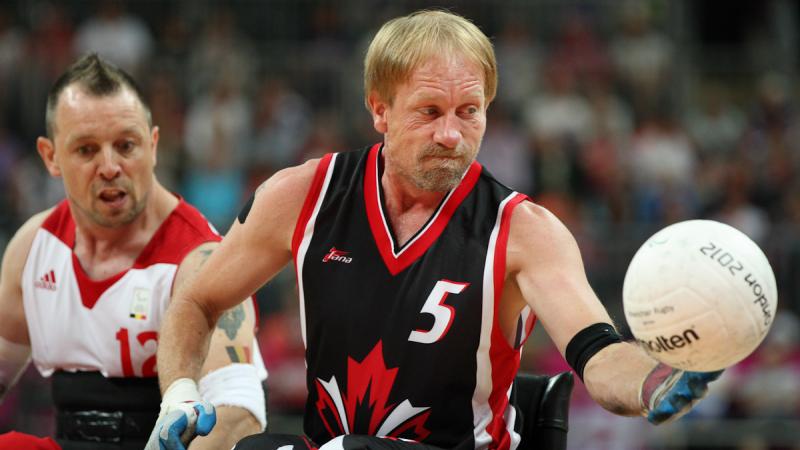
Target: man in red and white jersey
85, 284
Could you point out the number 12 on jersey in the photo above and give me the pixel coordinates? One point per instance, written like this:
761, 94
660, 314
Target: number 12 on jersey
149, 365
442, 314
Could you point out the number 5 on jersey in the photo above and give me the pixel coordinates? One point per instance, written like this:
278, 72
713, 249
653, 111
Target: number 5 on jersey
442, 314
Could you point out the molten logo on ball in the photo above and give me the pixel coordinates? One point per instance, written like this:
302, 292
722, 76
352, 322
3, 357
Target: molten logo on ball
668, 343
699, 295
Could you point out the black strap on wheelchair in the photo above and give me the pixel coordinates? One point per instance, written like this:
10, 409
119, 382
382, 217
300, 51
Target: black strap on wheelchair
92, 408
589, 341
104, 426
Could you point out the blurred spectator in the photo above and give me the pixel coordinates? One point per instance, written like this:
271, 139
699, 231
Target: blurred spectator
559, 121
325, 137
218, 131
34, 188
174, 43
167, 109
48, 50
10, 150
787, 253
519, 59
579, 50
775, 365
611, 116
715, 125
602, 158
117, 35
505, 153
559, 112
771, 145
282, 123
12, 40
735, 207
662, 164
220, 52
642, 56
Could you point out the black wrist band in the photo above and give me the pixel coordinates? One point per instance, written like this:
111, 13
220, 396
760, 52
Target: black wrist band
587, 342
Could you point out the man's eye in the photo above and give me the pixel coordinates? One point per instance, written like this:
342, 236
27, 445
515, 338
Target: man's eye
125, 146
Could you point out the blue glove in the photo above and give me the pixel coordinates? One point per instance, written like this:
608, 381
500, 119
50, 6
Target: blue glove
668, 393
183, 416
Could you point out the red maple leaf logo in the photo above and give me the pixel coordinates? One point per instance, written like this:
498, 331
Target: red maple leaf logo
364, 408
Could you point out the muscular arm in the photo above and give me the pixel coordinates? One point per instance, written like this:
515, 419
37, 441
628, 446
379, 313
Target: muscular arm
232, 338
545, 263
249, 256
231, 342
14, 339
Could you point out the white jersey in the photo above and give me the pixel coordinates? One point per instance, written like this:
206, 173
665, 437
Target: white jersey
111, 326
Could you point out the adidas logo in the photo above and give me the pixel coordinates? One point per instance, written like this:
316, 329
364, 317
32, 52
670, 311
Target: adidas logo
48, 281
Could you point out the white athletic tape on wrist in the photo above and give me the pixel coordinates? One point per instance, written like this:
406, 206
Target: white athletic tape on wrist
178, 393
237, 385
14, 358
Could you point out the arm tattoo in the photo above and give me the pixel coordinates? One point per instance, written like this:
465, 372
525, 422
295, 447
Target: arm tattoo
206, 252
238, 354
231, 320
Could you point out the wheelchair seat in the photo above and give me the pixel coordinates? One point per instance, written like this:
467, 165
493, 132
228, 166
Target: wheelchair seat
542, 403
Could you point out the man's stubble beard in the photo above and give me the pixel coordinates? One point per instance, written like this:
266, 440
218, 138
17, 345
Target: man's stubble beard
448, 174
120, 220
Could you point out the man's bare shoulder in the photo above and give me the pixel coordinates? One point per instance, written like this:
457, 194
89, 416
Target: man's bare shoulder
290, 179
531, 219
276, 207
286, 190
538, 234
20, 244
16, 252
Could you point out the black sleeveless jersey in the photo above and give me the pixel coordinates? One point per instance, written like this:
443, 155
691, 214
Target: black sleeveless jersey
403, 341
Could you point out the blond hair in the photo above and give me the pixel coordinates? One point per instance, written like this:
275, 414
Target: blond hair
403, 43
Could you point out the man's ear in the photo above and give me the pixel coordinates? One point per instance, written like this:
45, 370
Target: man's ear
154, 143
378, 108
47, 150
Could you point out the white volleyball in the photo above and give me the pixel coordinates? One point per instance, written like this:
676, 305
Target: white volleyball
699, 295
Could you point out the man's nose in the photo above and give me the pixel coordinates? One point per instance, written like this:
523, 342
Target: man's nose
108, 165
448, 131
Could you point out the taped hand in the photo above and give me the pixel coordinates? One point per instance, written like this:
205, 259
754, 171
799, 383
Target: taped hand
669, 393
183, 416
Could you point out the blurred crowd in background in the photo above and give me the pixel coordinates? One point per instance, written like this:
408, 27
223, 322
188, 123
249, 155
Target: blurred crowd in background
620, 116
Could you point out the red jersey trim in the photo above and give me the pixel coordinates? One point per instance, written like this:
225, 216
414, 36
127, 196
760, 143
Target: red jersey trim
504, 358
90, 289
310, 202
182, 231
396, 263
59, 223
